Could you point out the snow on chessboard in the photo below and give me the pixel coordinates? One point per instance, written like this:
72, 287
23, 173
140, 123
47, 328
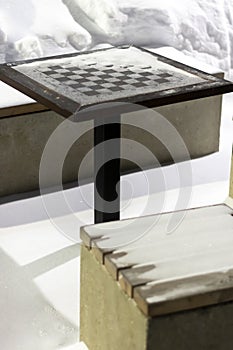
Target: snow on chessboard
106, 75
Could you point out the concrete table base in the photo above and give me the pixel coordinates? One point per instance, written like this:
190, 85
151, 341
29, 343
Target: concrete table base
112, 320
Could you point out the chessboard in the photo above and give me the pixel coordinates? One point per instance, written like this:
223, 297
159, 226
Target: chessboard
95, 79
106, 75
118, 74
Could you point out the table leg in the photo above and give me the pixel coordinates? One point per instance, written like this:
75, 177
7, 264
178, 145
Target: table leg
107, 174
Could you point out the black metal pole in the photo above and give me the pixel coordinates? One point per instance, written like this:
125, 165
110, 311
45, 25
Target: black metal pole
107, 170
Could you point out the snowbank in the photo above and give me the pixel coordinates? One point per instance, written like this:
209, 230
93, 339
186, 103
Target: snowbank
199, 28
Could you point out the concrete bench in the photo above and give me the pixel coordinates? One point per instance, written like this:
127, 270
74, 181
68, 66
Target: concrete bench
145, 289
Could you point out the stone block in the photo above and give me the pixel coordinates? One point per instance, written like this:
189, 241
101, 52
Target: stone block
156, 291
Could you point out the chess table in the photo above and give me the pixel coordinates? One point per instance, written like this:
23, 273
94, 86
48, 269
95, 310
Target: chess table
103, 84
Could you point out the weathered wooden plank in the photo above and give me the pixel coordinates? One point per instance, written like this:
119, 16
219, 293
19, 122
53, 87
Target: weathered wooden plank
87, 237
197, 234
100, 254
206, 261
189, 293
111, 267
129, 278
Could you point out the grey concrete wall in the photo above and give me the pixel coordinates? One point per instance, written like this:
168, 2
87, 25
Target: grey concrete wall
23, 138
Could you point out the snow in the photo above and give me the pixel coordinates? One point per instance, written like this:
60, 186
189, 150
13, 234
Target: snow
11, 97
199, 28
104, 15
202, 243
30, 317
62, 28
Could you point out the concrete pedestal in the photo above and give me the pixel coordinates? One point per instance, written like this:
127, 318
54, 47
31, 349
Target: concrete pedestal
161, 292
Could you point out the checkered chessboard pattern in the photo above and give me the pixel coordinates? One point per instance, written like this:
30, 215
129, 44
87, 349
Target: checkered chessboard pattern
108, 75
95, 79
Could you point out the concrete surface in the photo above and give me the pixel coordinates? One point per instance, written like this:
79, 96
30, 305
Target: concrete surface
23, 139
111, 320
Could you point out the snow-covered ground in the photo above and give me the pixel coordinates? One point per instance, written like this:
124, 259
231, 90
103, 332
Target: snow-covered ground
199, 28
